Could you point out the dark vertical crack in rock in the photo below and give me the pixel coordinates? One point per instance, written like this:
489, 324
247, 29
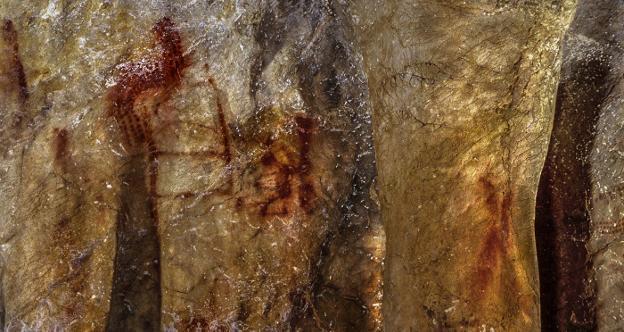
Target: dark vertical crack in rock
270, 35
563, 207
323, 92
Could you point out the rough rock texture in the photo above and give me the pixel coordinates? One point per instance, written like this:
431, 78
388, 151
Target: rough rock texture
606, 244
463, 99
212, 165
580, 202
190, 165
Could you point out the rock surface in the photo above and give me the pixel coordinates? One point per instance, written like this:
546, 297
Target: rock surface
463, 100
579, 218
205, 165
255, 165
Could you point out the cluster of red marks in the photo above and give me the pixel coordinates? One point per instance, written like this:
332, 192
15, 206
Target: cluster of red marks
9, 35
495, 246
60, 147
285, 184
141, 87
153, 77
194, 323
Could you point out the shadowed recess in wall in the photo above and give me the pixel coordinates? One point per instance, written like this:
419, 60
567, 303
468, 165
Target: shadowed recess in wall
563, 222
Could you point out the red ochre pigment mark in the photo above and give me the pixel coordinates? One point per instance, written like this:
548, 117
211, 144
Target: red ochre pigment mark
60, 147
285, 184
151, 78
9, 35
224, 132
494, 249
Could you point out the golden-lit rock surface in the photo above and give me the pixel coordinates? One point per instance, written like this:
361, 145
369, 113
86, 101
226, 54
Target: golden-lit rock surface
292, 165
194, 166
463, 101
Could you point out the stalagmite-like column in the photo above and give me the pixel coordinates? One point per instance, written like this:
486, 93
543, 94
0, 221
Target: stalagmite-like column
463, 102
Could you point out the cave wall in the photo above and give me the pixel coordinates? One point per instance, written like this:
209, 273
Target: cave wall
189, 165
310, 165
463, 102
579, 200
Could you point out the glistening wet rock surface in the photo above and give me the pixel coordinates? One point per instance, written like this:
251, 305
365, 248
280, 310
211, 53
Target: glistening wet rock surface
237, 165
463, 101
203, 166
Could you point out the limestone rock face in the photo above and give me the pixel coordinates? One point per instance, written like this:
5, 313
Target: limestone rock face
293, 165
463, 99
186, 165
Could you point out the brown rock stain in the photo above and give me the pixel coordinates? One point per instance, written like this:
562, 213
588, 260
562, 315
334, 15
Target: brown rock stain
60, 147
75, 269
305, 128
9, 36
201, 324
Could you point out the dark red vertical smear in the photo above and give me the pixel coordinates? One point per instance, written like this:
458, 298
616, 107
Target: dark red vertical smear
225, 132
9, 36
60, 148
226, 153
495, 245
164, 73
135, 300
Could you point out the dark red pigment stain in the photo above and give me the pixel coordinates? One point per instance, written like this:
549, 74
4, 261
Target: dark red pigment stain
494, 249
224, 132
305, 128
60, 148
9, 36
141, 87
285, 184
